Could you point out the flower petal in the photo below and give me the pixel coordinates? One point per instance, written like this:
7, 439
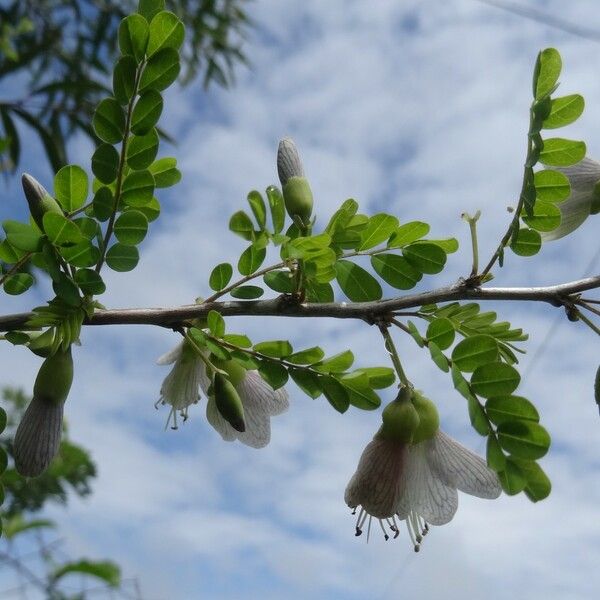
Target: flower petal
213, 416
171, 356
426, 494
458, 467
377, 482
257, 393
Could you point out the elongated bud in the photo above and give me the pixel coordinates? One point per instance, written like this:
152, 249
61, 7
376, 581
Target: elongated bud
429, 418
400, 419
228, 402
297, 194
39, 200
37, 439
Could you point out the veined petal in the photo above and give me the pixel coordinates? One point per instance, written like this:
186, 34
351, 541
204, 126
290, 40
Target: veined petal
213, 416
257, 394
377, 483
458, 467
425, 493
171, 356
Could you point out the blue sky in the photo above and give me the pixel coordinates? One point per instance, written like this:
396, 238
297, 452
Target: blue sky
418, 108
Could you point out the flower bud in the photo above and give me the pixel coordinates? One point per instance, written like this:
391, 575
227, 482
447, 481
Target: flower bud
228, 402
234, 370
400, 419
297, 194
39, 200
37, 439
429, 418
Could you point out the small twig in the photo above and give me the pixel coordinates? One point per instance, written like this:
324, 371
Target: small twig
23, 260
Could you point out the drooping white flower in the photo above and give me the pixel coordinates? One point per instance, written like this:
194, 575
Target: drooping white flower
417, 483
180, 387
583, 178
260, 402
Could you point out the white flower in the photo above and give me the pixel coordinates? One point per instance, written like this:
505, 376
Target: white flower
583, 178
180, 387
260, 402
417, 483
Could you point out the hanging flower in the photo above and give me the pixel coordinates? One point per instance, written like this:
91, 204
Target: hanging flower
398, 479
581, 202
180, 387
259, 400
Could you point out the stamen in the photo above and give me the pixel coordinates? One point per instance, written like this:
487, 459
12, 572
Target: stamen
369, 528
414, 519
385, 535
358, 521
396, 528
354, 511
410, 525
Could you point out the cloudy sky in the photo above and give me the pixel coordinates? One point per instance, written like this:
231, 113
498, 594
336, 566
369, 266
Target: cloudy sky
417, 108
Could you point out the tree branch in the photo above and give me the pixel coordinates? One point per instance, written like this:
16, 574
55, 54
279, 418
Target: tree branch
285, 306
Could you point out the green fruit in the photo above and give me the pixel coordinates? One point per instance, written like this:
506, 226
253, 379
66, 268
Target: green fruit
39, 200
429, 418
228, 402
400, 421
298, 198
54, 378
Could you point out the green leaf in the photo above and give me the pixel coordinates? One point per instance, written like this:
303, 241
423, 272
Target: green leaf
379, 229
133, 36
11, 255
103, 204
551, 185
564, 111
319, 292
335, 393
524, 439
425, 257
142, 150
273, 373
18, 283
89, 282
146, 112
512, 478
538, 485
241, 224
124, 79
559, 152
161, 70
449, 245
336, 364
220, 276
395, 271
274, 348
131, 227
247, 292
510, 408
307, 357
356, 283
64, 287
379, 377
106, 571
257, 204
216, 349
360, 393
437, 356
441, 332
251, 260
166, 31
105, 162
408, 233
165, 172
71, 187
216, 323
342, 216
138, 188
149, 8
526, 243
83, 254
475, 351
546, 216
277, 206
495, 379
279, 281
307, 381
60, 230
122, 258
243, 341
495, 457
22, 236
151, 210
109, 121
547, 72
414, 332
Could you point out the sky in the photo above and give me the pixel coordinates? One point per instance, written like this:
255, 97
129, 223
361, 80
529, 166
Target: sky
416, 108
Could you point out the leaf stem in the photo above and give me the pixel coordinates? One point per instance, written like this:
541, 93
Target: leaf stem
22, 261
391, 348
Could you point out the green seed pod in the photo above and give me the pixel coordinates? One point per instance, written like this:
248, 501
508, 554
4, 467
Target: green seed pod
297, 194
429, 418
37, 439
228, 402
39, 200
400, 419
234, 370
